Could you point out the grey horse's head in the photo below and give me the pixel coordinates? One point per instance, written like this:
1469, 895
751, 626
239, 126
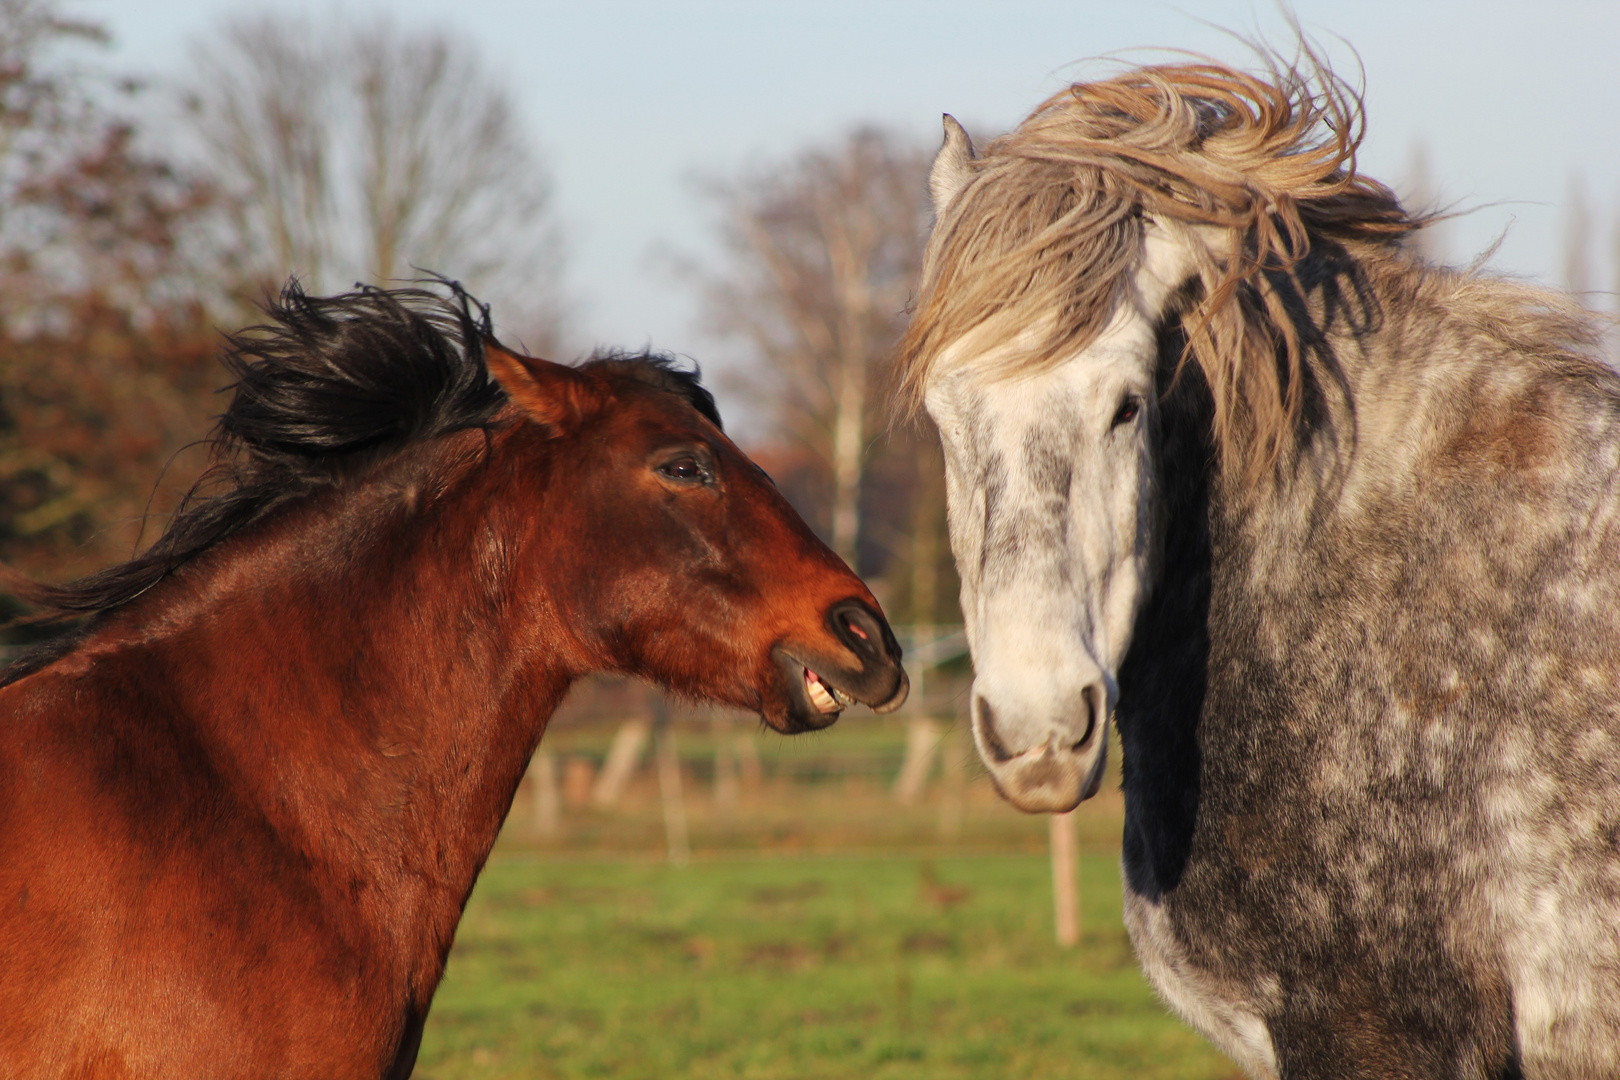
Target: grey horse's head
1051, 476
1172, 198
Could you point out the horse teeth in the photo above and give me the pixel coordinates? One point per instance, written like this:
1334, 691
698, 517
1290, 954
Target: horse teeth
842, 698
819, 697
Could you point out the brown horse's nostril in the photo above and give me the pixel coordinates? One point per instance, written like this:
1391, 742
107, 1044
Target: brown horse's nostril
862, 632
985, 720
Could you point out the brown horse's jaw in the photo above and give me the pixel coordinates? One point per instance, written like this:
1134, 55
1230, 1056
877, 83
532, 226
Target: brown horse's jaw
803, 706
898, 699
819, 691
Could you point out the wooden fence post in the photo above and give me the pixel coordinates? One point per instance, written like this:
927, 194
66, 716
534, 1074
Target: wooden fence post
749, 770
725, 765
953, 761
677, 844
622, 758
578, 778
1065, 879
922, 744
547, 801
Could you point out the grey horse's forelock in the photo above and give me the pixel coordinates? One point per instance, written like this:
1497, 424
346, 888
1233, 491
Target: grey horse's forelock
1048, 228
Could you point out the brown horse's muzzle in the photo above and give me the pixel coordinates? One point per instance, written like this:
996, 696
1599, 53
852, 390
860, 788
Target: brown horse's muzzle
862, 665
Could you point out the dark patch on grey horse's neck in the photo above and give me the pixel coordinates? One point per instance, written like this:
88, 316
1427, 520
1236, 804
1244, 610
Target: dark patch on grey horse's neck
1164, 677
1329, 290
1162, 680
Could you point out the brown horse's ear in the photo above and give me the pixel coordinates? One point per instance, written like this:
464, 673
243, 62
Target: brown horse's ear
551, 394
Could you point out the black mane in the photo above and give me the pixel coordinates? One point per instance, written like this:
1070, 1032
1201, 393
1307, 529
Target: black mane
327, 384
658, 370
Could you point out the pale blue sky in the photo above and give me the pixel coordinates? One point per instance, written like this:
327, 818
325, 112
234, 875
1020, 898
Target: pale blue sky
629, 100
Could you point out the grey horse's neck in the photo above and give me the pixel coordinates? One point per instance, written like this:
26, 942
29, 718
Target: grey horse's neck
1444, 463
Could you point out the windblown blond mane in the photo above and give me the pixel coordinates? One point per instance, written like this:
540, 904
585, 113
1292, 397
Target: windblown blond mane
1049, 225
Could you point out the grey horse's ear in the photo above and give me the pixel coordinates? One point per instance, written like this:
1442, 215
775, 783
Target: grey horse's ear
952, 166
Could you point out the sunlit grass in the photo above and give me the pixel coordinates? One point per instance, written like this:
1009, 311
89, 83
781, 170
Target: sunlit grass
820, 967
823, 930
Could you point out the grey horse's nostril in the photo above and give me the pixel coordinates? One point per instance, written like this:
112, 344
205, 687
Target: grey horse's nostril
985, 720
1096, 707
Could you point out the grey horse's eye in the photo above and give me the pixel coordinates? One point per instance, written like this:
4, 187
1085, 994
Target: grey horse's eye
1128, 410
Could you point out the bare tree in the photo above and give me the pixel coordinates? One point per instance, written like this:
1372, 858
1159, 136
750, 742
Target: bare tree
824, 252
84, 209
1420, 194
1578, 226
38, 101
367, 151
264, 110
446, 169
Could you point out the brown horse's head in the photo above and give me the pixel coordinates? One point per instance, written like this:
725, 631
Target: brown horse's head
686, 565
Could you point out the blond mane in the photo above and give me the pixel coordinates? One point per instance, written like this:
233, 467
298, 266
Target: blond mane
1049, 225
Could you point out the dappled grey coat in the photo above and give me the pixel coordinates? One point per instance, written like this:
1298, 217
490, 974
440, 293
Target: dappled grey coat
1371, 715
1350, 579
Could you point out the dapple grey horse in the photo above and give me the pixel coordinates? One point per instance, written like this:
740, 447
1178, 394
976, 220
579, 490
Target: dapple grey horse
1330, 532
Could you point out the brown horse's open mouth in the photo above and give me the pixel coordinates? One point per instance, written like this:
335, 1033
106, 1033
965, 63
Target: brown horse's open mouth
826, 697
815, 700
820, 684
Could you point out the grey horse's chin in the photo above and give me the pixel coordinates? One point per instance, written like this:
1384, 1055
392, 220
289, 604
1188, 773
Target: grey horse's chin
1098, 767
1053, 779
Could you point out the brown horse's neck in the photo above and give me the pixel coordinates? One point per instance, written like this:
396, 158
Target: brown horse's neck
374, 681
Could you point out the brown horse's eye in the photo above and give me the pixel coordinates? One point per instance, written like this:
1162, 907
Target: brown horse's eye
1128, 410
687, 469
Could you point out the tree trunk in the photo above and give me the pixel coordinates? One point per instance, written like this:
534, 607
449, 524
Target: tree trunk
848, 257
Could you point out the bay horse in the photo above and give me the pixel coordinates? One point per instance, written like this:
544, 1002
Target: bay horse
242, 808
1334, 536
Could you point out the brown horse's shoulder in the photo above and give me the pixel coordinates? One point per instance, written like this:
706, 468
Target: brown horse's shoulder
129, 867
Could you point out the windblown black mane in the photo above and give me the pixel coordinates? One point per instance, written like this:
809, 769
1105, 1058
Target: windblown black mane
328, 381
326, 384
657, 370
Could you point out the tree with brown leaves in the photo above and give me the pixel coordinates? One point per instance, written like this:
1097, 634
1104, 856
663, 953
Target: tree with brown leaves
106, 353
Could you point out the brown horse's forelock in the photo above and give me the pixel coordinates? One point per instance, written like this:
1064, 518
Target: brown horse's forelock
661, 372
1048, 228
325, 387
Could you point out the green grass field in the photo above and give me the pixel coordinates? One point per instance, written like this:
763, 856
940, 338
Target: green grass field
822, 929
796, 967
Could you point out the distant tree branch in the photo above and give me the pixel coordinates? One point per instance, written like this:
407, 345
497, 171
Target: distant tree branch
822, 254
369, 152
